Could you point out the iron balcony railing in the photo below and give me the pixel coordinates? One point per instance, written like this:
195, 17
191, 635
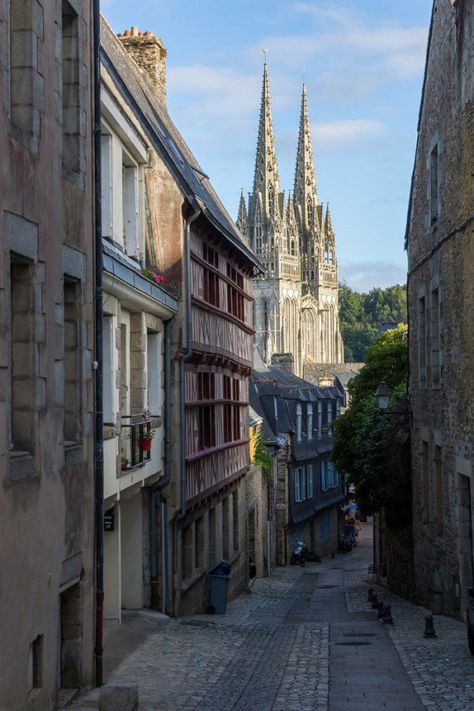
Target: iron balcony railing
135, 444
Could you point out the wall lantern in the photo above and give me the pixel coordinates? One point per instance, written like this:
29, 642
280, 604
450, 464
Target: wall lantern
382, 395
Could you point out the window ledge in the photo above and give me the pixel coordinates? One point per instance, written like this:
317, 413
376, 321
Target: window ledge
22, 467
73, 453
188, 582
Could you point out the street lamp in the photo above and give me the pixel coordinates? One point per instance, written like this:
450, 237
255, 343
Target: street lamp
382, 395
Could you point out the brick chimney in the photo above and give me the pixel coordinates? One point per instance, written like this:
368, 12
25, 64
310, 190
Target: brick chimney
149, 53
285, 361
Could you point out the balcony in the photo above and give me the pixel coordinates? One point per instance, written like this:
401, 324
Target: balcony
136, 440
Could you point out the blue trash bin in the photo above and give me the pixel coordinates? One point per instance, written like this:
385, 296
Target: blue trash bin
218, 584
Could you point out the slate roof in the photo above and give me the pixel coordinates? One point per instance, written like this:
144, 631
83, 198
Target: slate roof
274, 394
167, 140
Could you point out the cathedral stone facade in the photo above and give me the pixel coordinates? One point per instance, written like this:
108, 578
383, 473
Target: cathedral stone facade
296, 308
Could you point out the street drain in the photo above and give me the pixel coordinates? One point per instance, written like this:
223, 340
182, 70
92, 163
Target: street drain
360, 634
352, 644
197, 623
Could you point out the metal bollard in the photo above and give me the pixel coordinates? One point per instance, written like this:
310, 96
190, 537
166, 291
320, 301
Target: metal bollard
429, 627
374, 602
380, 610
370, 594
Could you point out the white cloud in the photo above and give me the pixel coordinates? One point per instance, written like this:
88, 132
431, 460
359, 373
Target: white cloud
330, 135
367, 275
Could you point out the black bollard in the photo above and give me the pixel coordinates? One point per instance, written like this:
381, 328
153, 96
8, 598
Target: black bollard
387, 618
374, 602
380, 610
370, 594
429, 627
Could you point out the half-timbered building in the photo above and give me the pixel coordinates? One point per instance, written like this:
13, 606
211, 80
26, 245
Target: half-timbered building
192, 241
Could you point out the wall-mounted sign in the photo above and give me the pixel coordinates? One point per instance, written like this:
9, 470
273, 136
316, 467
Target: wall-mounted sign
109, 519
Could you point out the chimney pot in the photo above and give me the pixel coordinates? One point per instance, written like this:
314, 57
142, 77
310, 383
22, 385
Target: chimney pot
134, 31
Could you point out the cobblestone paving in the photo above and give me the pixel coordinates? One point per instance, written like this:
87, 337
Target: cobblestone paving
302, 640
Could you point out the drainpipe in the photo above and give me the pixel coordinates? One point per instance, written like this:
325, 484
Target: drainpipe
185, 356
156, 488
99, 435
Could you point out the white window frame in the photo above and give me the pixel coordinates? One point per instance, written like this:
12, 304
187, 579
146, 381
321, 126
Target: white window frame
153, 368
320, 418
309, 415
299, 421
309, 481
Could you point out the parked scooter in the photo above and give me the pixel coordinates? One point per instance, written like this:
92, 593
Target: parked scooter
300, 553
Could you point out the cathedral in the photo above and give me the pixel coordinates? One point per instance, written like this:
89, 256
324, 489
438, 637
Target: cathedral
296, 307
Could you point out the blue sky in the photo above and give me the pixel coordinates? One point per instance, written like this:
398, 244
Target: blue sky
363, 61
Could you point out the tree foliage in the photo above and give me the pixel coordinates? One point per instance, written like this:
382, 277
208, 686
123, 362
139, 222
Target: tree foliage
361, 316
372, 447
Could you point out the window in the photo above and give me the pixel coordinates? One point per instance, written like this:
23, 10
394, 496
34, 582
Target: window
22, 355
422, 339
153, 373
109, 370
70, 89
130, 204
72, 362
435, 338
35, 663
330, 414
206, 386
235, 300
309, 415
299, 420
309, 481
329, 476
300, 484
434, 185
206, 427
106, 181
21, 64
320, 418
210, 255
211, 279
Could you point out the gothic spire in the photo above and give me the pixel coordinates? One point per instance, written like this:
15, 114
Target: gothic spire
242, 221
305, 190
266, 179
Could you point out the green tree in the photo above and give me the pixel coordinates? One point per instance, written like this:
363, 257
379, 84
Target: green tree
361, 316
372, 447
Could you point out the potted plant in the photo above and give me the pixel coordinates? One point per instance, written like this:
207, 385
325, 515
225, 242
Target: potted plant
147, 438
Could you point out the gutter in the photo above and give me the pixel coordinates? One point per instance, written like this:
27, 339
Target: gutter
155, 490
185, 356
98, 365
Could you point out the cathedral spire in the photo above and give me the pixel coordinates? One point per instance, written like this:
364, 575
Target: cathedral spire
242, 220
266, 178
305, 190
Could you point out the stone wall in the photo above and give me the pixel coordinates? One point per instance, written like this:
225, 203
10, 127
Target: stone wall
46, 386
440, 294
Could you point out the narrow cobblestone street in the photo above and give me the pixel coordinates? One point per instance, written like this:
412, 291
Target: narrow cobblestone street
303, 639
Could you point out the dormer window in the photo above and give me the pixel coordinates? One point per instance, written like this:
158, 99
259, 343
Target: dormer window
309, 414
320, 418
299, 422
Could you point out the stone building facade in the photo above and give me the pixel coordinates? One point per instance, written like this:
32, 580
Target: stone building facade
440, 297
307, 489
136, 323
46, 351
296, 307
201, 505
